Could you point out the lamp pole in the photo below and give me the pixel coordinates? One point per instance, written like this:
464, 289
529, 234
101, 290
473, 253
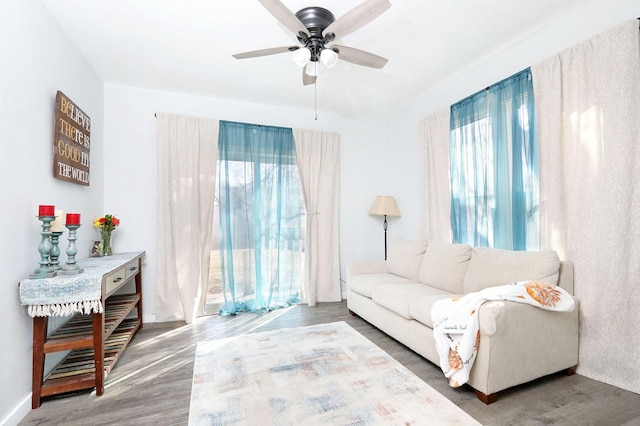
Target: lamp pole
384, 225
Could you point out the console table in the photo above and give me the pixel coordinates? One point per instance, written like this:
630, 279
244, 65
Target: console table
100, 329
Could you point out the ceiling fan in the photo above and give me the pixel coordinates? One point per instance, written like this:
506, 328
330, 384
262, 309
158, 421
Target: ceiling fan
316, 28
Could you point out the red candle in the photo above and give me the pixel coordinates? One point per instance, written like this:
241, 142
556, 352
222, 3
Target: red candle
73, 219
46, 210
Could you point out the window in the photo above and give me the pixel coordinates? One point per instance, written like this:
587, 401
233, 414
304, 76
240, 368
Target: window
494, 167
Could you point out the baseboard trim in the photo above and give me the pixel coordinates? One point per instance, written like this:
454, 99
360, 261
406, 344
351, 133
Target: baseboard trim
18, 413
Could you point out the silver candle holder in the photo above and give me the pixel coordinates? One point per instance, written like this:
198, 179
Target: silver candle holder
44, 270
71, 268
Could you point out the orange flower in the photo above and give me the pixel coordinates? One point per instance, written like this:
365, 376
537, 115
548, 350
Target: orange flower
106, 223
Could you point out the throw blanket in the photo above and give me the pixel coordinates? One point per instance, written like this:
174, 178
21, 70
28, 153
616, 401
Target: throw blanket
455, 321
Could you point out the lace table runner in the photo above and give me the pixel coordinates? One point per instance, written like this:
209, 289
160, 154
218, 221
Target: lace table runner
69, 294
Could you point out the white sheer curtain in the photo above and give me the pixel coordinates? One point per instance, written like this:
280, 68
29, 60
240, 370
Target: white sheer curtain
588, 106
187, 159
319, 167
435, 192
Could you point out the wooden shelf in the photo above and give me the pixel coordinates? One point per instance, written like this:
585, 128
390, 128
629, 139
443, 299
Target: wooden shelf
95, 341
77, 370
76, 333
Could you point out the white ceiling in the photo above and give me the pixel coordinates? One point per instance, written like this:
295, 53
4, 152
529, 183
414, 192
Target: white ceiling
186, 46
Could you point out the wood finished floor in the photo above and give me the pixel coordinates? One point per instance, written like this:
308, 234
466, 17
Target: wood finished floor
151, 384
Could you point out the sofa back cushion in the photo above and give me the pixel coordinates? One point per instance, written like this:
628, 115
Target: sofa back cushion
492, 267
445, 265
405, 257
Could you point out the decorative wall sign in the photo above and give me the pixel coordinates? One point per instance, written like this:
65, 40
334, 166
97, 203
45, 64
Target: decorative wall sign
71, 141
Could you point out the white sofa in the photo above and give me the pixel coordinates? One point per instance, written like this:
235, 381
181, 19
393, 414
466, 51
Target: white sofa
518, 342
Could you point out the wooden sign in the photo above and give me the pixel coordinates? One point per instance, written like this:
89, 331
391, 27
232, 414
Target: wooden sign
71, 142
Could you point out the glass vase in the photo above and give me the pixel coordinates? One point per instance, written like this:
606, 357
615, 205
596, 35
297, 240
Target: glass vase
106, 242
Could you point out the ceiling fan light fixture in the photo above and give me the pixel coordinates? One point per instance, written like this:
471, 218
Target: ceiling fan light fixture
315, 28
302, 56
329, 57
312, 69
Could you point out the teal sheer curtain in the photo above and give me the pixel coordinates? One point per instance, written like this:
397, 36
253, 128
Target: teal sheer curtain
262, 218
494, 167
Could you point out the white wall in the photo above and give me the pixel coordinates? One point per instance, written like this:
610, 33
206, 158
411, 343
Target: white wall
376, 163
37, 60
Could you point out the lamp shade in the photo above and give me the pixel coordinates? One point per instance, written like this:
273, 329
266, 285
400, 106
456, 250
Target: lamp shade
312, 68
301, 56
329, 58
384, 205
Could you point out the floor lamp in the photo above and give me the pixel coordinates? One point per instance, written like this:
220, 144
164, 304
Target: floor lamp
384, 205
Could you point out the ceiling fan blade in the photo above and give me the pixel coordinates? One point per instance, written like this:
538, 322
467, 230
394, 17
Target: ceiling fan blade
265, 52
307, 79
285, 16
360, 57
357, 17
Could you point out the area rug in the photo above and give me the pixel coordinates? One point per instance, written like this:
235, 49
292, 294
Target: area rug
327, 374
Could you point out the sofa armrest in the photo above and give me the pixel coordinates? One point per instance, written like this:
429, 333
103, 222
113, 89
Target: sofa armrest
519, 343
498, 316
366, 267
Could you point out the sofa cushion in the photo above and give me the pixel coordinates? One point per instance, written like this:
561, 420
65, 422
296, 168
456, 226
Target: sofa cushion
364, 284
405, 257
420, 307
398, 298
492, 267
445, 265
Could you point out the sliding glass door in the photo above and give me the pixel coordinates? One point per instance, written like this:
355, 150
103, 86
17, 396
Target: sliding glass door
260, 220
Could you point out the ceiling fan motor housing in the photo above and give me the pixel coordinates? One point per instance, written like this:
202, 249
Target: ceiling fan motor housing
315, 19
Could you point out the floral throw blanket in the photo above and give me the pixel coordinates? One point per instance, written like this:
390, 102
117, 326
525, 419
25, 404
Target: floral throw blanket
455, 321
